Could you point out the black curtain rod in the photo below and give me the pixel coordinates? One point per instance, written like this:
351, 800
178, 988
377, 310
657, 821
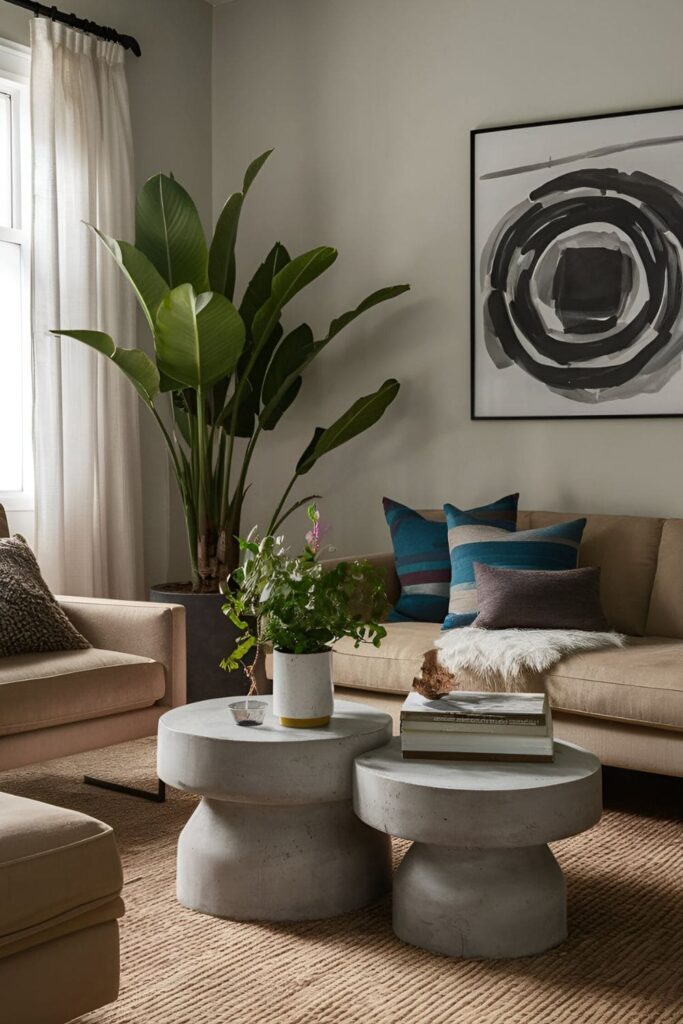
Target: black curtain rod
101, 31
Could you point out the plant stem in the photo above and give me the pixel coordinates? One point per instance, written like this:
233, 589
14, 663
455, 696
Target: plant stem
238, 495
190, 518
203, 524
243, 380
169, 441
274, 522
189, 508
251, 670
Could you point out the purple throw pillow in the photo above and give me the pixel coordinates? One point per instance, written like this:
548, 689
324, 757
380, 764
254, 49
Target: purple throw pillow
538, 599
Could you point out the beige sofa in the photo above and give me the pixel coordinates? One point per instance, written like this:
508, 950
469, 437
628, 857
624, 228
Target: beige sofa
626, 705
66, 702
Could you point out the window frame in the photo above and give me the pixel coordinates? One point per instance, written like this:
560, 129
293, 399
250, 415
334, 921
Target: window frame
15, 67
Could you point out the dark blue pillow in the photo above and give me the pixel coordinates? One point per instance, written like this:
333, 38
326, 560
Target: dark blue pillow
423, 560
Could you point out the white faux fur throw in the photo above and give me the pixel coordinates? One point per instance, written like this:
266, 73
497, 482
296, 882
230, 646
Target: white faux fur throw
509, 659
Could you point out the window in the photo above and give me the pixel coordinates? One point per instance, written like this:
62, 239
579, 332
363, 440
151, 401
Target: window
16, 470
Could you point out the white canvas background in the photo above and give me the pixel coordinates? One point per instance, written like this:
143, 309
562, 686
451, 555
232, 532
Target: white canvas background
512, 392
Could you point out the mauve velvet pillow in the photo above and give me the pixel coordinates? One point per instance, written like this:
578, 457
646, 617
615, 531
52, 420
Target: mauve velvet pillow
538, 599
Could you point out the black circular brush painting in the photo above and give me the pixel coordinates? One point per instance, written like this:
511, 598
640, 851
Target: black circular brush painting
581, 280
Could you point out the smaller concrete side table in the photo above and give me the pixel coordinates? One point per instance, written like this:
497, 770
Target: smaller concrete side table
274, 837
479, 880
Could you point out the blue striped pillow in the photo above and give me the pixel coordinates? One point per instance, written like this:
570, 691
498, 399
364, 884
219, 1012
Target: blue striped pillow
551, 547
422, 559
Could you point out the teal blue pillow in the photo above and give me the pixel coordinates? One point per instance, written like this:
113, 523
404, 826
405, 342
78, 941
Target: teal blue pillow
422, 559
551, 547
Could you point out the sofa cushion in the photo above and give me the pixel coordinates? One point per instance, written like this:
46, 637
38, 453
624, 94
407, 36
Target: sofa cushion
390, 668
41, 690
641, 683
55, 865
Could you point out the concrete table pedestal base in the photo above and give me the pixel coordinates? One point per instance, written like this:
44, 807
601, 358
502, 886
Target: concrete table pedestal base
480, 903
274, 837
480, 880
252, 862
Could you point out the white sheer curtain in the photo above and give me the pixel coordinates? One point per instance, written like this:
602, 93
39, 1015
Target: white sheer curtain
86, 436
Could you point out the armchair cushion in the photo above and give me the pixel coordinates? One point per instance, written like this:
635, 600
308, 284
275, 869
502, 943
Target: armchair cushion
42, 690
55, 866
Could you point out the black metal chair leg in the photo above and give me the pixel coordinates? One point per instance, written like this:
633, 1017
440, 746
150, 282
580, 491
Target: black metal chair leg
143, 794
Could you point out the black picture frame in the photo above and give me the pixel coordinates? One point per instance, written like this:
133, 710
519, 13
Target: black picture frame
475, 133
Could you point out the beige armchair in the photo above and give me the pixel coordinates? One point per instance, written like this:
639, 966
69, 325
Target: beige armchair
66, 702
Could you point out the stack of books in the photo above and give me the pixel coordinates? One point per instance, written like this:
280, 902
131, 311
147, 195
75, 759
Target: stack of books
477, 726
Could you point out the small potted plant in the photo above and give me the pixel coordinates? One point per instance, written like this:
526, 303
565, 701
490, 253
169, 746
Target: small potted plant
300, 607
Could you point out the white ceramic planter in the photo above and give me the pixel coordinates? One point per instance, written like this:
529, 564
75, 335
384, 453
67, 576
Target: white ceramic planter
302, 689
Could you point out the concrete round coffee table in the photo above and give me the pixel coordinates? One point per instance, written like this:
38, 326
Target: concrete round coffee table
274, 837
479, 880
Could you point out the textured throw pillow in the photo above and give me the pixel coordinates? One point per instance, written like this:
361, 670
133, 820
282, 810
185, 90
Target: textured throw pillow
539, 599
551, 547
423, 562
31, 621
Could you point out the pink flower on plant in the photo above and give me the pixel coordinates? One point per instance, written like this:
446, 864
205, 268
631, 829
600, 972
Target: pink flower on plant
315, 536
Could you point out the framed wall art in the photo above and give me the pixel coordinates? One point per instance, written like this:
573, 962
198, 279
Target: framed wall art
577, 267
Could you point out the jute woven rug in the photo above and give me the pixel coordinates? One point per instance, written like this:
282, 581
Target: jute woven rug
623, 961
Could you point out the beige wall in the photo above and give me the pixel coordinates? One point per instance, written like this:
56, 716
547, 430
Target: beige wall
369, 104
170, 96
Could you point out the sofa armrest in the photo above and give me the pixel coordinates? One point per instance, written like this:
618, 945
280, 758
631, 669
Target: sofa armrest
385, 562
144, 628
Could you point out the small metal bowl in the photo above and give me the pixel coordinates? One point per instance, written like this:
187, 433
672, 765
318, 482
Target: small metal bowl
249, 712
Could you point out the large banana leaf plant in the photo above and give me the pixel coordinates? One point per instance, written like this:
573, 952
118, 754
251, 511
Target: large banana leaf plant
227, 371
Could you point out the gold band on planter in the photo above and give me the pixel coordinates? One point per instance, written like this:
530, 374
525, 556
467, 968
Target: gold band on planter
305, 723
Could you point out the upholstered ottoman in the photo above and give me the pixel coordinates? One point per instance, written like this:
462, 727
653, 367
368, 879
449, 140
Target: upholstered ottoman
60, 897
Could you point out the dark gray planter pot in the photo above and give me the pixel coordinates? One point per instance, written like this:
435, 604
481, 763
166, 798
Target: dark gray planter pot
210, 637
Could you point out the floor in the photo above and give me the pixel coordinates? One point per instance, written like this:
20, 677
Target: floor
622, 964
